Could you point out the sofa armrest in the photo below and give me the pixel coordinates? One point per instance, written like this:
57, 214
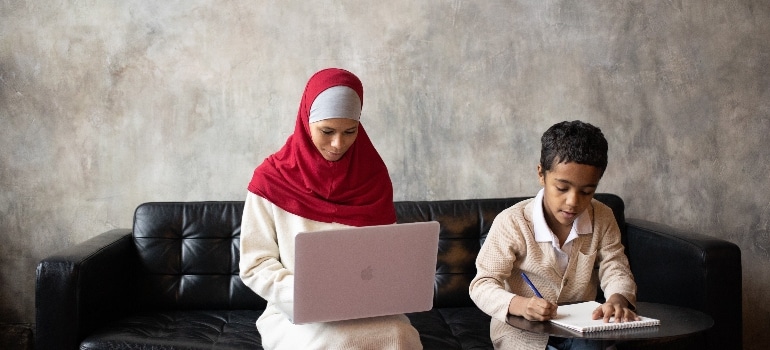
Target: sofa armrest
690, 270
81, 287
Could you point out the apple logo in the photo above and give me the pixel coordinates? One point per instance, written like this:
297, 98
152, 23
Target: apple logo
367, 273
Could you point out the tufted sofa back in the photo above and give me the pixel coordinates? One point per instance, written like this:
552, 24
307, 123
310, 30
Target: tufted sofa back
189, 251
464, 227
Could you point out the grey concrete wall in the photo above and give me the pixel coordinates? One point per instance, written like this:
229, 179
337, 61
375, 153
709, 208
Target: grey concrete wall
108, 104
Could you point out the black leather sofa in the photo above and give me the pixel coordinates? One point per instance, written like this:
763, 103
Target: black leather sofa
172, 282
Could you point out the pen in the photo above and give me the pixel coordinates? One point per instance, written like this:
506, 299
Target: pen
526, 279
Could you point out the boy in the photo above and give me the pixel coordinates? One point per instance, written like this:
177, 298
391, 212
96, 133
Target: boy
555, 238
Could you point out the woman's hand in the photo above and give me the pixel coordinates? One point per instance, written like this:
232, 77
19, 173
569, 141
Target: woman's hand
533, 309
615, 306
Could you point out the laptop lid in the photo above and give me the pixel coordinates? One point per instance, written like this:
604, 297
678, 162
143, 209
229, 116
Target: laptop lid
364, 271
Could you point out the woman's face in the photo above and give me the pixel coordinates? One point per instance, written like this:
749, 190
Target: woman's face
332, 137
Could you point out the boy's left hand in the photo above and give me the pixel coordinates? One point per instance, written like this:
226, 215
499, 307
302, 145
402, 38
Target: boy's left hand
615, 306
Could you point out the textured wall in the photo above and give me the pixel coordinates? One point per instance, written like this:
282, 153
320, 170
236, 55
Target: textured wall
108, 104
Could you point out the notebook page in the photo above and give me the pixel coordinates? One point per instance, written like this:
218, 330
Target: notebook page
578, 317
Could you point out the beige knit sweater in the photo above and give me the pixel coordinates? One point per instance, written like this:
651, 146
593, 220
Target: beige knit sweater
267, 267
510, 248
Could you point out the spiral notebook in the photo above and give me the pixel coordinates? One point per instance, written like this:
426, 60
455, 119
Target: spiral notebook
577, 317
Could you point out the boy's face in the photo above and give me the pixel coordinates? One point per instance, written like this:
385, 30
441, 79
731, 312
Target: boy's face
567, 191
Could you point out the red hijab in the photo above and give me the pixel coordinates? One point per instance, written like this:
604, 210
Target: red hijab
355, 190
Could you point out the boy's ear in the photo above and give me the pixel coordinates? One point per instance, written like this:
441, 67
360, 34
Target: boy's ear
541, 175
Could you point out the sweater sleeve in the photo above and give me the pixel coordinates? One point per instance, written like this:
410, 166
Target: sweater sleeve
614, 271
494, 265
260, 264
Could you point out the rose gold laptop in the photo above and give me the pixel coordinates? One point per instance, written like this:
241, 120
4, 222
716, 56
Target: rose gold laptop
364, 271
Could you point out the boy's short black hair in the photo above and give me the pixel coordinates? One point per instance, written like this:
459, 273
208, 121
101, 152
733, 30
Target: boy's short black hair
573, 141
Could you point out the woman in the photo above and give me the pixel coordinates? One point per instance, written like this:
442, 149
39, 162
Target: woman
327, 175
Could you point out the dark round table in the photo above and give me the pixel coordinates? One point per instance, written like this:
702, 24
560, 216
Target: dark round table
675, 322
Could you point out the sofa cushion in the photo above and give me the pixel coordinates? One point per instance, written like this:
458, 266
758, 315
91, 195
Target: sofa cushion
180, 329
453, 328
464, 225
446, 329
189, 255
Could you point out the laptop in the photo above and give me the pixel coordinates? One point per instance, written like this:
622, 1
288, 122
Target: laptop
363, 272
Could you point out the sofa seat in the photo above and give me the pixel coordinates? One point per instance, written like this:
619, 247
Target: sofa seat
179, 329
452, 328
448, 328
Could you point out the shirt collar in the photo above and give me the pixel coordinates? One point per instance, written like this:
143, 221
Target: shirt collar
543, 233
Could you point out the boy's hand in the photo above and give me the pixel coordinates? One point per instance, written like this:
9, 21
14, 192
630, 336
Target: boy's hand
533, 309
615, 306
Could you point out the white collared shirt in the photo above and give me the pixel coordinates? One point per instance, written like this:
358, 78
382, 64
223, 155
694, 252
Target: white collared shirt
543, 233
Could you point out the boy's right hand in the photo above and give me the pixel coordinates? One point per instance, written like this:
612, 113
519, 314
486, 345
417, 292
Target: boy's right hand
533, 309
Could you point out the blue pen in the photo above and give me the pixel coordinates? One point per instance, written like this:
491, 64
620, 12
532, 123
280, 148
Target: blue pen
526, 279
